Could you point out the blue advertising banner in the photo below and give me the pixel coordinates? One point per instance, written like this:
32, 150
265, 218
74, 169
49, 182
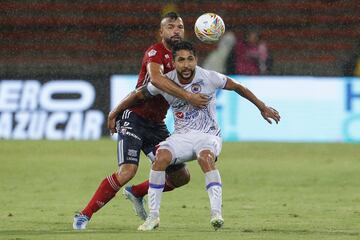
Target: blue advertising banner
51, 109
313, 109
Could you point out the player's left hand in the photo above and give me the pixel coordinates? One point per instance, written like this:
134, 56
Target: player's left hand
111, 122
269, 113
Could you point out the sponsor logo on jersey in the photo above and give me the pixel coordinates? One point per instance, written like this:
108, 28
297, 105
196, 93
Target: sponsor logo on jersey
191, 114
132, 135
132, 152
179, 114
179, 103
152, 53
131, 159
196, 88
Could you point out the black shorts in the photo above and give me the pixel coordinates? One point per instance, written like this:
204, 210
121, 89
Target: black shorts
136, 133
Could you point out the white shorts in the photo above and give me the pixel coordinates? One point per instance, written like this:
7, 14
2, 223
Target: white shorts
186, 147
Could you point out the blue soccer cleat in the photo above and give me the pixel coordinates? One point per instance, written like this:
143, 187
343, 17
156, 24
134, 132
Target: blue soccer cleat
138, 203
80, 221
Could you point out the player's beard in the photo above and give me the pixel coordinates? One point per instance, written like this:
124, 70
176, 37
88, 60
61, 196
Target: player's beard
171, 41
187, 79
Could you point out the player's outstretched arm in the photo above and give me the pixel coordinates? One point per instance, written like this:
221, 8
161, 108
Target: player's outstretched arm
130, 100
268, 113
159, 80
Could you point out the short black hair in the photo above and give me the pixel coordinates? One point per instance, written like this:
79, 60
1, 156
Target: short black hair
171, 15
184, 45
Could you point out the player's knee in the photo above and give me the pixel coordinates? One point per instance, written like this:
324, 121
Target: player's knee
206, 156
162, 160
125, 173
206, 160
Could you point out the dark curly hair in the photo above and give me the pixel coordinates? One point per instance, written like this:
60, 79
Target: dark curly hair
184, 45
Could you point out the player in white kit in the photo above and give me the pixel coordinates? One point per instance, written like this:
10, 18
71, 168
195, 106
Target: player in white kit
196, 135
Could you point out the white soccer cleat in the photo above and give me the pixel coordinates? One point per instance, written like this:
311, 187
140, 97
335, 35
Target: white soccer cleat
150, 224
217, 221
138, 203
80, 221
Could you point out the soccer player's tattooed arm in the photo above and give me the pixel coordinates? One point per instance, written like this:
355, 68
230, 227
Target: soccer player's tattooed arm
130, 100
159, 80
268, 113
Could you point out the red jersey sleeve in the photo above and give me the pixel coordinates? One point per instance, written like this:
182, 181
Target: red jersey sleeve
153, 54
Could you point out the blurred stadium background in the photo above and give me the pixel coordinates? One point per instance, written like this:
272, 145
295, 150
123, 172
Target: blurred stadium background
76, 38
64, 64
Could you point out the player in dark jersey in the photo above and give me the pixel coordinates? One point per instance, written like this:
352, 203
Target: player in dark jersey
142, 127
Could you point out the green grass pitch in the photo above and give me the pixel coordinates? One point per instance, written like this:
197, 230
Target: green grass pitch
270, 191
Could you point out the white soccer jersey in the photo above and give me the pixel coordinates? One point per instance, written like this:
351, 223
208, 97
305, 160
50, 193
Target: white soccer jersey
188, 118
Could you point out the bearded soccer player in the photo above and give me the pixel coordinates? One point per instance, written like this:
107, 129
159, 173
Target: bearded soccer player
142, 127
197, 134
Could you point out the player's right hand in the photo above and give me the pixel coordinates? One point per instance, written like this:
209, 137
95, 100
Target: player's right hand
198, 100
269, 113
111, 122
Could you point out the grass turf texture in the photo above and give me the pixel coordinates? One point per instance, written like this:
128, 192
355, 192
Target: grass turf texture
270, 191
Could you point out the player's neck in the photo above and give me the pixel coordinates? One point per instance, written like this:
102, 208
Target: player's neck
166, 45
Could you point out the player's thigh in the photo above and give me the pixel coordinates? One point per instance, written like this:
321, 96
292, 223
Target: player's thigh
207, 142
152, 138
180, 147
129, 143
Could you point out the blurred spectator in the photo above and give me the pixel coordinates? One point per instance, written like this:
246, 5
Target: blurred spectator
250, 55
216, 60
352, 66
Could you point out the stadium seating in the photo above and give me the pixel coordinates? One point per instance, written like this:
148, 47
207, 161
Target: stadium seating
110, 37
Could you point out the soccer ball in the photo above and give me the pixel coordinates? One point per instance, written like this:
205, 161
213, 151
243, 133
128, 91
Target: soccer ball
209, 27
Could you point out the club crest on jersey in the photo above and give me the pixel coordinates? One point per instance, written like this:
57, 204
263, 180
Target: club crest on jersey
167, 56
152, 53
195, 88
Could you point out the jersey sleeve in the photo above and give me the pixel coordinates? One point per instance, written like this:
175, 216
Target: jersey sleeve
153, 55
218, 80
154, 90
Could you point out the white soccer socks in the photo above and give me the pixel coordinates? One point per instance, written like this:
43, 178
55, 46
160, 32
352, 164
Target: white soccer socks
156, 187
214, 189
